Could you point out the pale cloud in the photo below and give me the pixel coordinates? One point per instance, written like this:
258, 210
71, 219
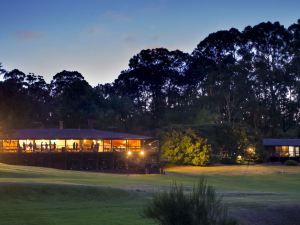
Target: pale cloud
155, 38
95, 29
130, 41
117, 16
28, 35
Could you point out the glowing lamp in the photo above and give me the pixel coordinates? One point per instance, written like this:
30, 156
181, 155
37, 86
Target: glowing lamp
142, 153
129, 153
251, 151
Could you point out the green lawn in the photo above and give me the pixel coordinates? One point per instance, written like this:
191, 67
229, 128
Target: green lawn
32, 195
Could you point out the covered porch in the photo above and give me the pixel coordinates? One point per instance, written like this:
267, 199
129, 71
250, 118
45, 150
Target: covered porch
72, 145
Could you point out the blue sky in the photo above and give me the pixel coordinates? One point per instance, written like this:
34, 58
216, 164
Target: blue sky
98, 37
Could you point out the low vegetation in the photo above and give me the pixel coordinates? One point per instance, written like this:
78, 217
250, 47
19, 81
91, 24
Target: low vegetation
202, 206
291, 162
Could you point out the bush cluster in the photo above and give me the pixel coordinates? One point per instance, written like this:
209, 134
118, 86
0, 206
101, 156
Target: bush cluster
291, 162
184, 147
200, 207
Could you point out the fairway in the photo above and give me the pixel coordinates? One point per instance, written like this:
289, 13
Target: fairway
34, 195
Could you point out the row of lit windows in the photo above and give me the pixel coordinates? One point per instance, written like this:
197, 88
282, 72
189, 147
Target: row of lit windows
70, 145
287, 151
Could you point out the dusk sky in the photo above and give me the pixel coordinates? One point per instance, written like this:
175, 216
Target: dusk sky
98, 37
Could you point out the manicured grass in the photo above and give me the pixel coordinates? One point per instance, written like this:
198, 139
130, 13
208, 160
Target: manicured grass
32, 195
68, 205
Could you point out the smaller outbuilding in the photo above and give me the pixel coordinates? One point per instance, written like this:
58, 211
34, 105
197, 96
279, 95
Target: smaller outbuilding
281, 149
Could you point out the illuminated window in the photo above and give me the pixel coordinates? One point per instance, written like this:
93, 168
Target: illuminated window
285, 151
10, 145
57, 145
296, 150
27, 145
106, 145
134, 145
88, 145
73, 145
291, 151
277, 150
99, 145
119, 145
41, 145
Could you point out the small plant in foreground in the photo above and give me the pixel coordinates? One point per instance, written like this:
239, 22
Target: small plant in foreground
200, 207
291, 162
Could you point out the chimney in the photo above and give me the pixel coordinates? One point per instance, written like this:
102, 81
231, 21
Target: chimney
61, 124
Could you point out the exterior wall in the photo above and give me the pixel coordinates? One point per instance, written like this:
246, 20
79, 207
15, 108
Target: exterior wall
95, 161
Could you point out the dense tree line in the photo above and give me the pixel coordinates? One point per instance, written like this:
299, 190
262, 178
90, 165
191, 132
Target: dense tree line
234, 88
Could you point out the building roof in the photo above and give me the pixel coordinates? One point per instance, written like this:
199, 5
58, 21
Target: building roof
281, 142
55, 133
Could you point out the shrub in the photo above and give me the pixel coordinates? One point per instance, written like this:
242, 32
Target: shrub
200, 207
291, 162
185, 148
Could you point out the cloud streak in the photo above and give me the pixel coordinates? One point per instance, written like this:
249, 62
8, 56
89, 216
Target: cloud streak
28, 35
117, 16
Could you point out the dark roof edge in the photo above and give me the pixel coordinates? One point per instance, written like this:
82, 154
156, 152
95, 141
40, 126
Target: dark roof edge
69, 133
281, 141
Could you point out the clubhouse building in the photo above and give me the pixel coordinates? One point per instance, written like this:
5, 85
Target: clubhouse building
89, 149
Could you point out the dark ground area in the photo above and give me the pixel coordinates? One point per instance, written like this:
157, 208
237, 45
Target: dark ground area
281, 214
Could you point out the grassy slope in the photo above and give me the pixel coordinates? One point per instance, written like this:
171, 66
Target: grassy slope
32, 196
67, 205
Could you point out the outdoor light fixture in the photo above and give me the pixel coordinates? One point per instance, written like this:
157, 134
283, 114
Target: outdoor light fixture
142, 153
251, 150
129, 153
